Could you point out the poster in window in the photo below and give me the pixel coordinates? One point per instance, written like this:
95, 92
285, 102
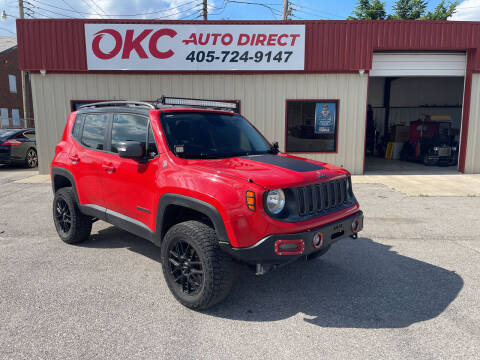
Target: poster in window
325, 114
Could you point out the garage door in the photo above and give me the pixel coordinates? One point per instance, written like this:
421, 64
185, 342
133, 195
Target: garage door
418, 64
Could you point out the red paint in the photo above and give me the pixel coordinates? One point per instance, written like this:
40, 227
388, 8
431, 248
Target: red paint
467, 94
330, 46
101, 178
337, 101
365, 132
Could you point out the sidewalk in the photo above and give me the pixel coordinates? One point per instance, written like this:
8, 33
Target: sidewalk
426, 185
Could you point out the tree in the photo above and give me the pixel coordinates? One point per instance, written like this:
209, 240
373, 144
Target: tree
442, 11
369, 10
409, 9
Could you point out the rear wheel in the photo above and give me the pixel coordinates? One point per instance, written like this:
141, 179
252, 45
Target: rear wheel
197, 271
72, 226
31, 158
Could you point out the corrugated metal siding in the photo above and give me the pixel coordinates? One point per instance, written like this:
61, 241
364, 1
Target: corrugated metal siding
472, 160
262, 100
418, 64
331, 46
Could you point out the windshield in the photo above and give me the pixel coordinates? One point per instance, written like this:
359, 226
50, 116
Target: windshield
210, 135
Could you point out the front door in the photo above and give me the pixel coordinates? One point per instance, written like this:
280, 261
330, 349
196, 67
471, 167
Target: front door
129, 185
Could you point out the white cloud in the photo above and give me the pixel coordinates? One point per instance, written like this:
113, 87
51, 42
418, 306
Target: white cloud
468, 10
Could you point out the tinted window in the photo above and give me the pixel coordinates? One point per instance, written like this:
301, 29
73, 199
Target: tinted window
5, 133
94, 130
312, 126
210, 135
152, 146
77, 127
127, 127
30, 134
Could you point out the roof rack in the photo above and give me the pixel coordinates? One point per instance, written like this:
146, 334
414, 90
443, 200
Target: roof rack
118, 103
232, 106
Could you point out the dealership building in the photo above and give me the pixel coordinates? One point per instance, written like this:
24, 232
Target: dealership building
335, 91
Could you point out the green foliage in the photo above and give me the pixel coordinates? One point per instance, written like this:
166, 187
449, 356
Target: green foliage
403, 10
442, 11
369, 10
409, 9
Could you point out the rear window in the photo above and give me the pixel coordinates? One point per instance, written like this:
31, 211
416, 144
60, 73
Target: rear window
6, 133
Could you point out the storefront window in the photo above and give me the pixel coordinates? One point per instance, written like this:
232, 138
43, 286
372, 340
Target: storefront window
312, 125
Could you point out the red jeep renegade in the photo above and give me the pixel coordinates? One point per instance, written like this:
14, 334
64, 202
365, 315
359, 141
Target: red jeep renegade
198, 180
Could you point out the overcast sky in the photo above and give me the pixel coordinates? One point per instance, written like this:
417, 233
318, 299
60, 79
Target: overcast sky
190, 9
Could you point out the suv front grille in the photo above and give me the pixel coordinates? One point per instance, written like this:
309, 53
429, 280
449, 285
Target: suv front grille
326, 196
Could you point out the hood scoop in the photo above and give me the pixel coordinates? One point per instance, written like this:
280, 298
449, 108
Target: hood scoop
285, 162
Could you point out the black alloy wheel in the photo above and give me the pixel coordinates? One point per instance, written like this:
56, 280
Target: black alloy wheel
198, 273
72, 226
186, 267
63, 215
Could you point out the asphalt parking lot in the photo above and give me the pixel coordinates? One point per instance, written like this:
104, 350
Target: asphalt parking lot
409, 288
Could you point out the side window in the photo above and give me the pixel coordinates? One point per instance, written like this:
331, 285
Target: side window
151, 145
128, 127
29, 134
93, 135
77, 127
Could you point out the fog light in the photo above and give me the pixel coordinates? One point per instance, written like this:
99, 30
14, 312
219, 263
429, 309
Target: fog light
289, 247
318, 240
356, 225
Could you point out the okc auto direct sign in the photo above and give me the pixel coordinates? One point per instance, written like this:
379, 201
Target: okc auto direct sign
194, 47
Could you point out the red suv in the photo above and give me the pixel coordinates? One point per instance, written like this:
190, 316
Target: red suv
198, 180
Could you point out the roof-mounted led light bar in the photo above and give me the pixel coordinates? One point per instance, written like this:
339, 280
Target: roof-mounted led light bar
224, 105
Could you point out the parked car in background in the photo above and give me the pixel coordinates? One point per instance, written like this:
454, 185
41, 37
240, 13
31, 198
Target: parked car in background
18, 146
432, 143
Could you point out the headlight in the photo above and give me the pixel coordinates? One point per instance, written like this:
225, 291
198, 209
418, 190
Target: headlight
275, 201
435, 148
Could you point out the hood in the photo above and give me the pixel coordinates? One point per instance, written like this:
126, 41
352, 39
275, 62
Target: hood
271, 171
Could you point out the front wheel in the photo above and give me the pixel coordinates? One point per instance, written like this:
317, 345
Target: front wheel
197, 271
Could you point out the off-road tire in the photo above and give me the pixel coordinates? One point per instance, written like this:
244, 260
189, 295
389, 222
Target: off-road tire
218, 267
80, 224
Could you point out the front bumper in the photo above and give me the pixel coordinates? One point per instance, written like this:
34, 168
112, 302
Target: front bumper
441, 159
264, 251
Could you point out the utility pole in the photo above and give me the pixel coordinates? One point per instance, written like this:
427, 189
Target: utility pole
285, 9
25, 87
205, 10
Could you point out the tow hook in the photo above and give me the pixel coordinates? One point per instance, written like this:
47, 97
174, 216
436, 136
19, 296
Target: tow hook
263, 269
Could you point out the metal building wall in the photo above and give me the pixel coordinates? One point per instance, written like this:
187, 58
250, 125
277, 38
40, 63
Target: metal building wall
472, 160
262, 101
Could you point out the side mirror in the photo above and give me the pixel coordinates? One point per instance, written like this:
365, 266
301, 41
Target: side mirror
275, 148
131, 150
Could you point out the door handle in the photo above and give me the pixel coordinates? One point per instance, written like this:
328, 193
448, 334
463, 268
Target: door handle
74, 158
108, 167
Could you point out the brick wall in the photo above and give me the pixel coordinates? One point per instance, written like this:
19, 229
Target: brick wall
9, 100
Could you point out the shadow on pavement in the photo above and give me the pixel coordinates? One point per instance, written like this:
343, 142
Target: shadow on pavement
357, 284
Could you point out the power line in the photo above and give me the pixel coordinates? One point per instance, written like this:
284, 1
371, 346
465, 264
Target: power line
118, 15
272, 10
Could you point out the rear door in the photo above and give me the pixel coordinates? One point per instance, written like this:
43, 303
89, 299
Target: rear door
129, 185
86, 155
